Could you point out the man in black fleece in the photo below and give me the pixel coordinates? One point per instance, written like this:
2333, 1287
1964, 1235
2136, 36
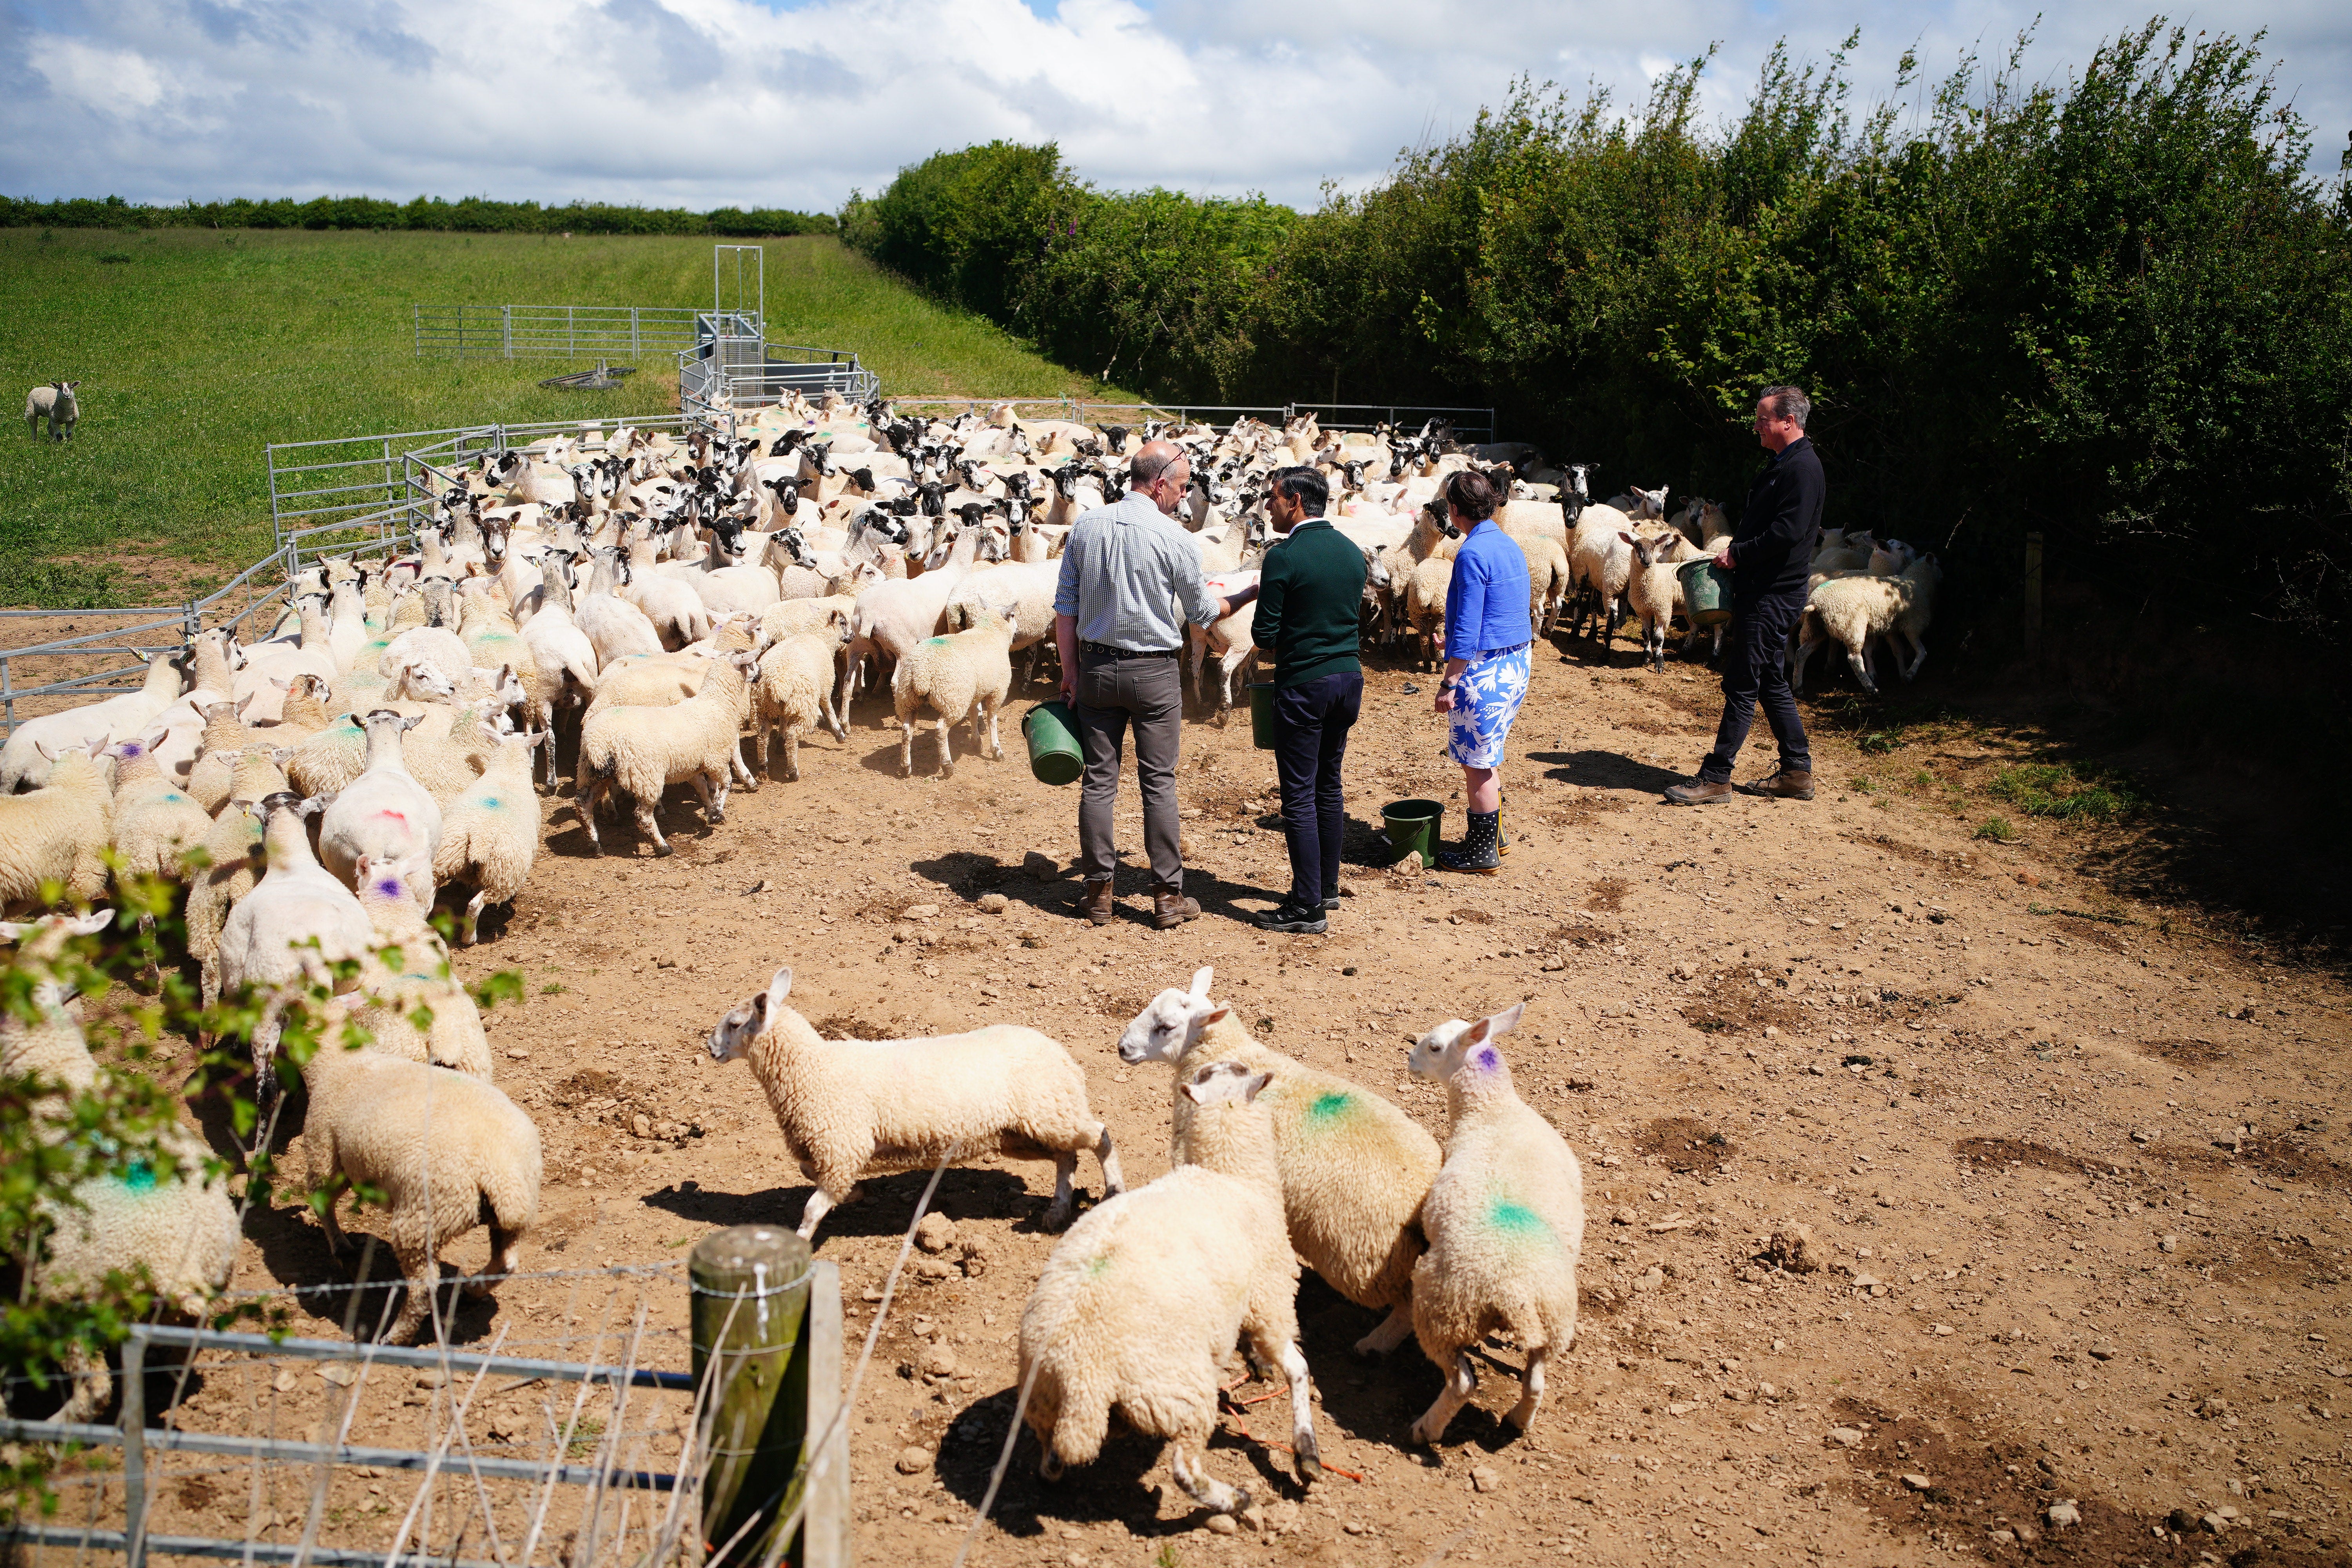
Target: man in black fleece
1768, 558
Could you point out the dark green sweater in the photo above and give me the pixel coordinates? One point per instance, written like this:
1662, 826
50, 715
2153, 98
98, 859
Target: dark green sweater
1310, 594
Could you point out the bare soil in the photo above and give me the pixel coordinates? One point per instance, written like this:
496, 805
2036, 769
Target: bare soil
2077, 1187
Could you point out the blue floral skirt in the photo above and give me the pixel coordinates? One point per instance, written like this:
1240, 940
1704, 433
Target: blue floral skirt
1486, 698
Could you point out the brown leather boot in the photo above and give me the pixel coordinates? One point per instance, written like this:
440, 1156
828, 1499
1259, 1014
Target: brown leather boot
1782, 783
1097, 904
1699, 791
1170, 909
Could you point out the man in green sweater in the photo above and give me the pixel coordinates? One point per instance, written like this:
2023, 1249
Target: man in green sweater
1309, 591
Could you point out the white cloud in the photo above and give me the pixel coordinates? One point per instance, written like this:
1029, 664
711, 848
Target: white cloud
700, 102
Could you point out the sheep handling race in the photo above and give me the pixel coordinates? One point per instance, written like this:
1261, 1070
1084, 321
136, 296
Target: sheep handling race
568, 1012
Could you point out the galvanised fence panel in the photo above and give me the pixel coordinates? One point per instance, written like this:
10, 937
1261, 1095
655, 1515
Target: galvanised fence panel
558, 331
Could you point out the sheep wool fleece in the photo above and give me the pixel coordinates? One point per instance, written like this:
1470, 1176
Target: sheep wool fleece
1354, 1167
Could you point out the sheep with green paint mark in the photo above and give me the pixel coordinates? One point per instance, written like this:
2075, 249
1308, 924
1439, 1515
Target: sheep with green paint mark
1505, 1220
1140, 1304
175, 1222
962, 675
1354, 1167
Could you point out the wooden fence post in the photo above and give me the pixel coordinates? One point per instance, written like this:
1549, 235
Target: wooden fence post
751, 1299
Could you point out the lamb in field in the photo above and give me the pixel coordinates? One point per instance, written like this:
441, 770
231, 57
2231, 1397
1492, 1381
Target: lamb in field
55, 403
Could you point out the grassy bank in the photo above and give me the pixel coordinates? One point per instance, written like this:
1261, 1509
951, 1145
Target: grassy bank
199, 347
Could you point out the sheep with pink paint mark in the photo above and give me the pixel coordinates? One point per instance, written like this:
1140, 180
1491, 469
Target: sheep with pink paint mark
1505, 1220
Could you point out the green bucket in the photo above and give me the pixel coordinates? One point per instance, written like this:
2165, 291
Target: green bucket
1707, 593
1412, 828
1052, 732
1261, 696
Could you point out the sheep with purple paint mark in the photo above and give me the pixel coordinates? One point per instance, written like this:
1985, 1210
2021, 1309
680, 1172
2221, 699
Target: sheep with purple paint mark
1505, 1220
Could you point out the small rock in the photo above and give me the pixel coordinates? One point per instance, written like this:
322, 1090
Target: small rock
1680, 1408
975, 1257
1485, 1478
919, 913
2168, 1244
2001, 1538
642, 1125
339, 1374
2064, 1513
2103, 1352
2213, 1406
1222, 1524
1846, 1437
1621, 1216
933, 1269
2180, 1522
912, 1461
936, 1234
1917, 1483
1651, 1280
284, 1381
2214, 1524
2026, 1535
992, 903
1794, 1249
938, 1362
516, 1054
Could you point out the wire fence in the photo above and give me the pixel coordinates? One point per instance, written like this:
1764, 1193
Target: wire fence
594, 1450
1465, 422
567, 332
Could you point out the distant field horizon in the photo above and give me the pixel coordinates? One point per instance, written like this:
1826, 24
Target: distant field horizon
197, 348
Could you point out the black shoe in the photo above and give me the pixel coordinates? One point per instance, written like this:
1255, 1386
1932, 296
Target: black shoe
1291, 917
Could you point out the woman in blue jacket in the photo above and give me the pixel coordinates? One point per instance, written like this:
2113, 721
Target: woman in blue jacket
1487, 634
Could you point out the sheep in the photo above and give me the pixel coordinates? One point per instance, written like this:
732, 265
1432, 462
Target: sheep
296, 921
226, 734
1598, 567
22, 764
854, 1109
1140, 1304
1656, 590
155, 822
446, 1150
387, 1002
1547, 578
564, 658
1232, 639
489, 834
1354, 1167
1855, 609
1025, 586
1505, 1220
612, 624
1425, 608
56, 404
233, 860
963, 675
642, 751
385, 813
53, 840
492, 639
176, 1227
792, 691
894, 615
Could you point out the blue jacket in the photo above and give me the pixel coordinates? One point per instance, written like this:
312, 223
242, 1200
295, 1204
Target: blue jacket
1487, 602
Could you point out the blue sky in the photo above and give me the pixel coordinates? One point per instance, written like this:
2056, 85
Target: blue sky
704, 102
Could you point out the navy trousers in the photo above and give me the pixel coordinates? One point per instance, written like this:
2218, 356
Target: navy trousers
1756, 673
1310, 738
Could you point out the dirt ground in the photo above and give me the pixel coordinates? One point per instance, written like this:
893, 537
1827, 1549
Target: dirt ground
2074, 1178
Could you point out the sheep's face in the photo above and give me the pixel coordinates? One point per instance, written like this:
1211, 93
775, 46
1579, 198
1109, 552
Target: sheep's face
1226, 1081
40, 942
1170, 1022
740, 1029
1453, 1044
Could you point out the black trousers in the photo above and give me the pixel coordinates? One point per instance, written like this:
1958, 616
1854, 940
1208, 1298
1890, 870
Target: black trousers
1756, 673
1310, 739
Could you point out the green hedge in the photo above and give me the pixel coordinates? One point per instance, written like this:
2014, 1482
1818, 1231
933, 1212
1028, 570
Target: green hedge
2115, 308
474, 215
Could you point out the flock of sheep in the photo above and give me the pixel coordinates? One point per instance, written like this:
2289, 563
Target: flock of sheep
652, 601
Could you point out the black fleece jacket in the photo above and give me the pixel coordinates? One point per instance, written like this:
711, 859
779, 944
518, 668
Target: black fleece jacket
1774, 545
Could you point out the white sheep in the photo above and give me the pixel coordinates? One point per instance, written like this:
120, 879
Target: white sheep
22, 764
489, 834
1354, 1167
155, 822
446, 1150
642, 751
1853, 610
1140, 1304
53, 840
962, 675
177, 1226
389, 1001
283, 935
854, 1109
234, 860
794, 692
386, 813
1505, 1220
56, 404
564, 658
1025, 588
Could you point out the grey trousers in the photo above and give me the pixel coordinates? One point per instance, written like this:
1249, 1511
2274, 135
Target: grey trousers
1150, 694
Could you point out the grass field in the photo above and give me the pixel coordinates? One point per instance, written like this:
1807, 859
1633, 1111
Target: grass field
203, 346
